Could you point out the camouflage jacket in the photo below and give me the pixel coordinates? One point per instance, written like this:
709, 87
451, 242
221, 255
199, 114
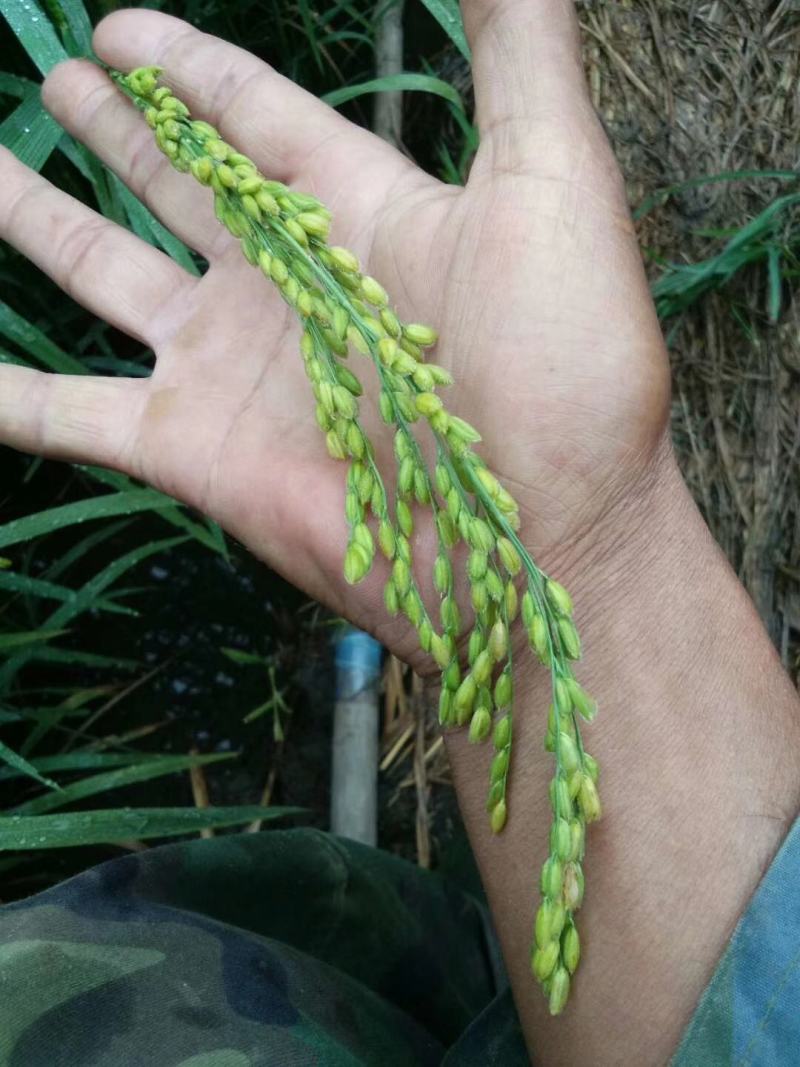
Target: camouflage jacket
295, 949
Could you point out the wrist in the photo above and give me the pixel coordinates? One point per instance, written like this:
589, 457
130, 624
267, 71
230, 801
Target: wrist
646, 531
620, 529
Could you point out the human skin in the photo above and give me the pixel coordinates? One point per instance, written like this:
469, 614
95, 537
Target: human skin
533, 276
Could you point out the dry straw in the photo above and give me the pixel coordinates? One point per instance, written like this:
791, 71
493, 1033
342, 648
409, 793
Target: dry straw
285, 235
689, 90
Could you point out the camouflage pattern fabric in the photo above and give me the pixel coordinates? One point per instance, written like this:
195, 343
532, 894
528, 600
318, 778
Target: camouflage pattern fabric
296, 949
282, 948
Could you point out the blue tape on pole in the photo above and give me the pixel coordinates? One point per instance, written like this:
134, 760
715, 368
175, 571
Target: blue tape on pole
358, 661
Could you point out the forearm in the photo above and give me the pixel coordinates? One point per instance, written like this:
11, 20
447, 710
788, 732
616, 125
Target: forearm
698, 742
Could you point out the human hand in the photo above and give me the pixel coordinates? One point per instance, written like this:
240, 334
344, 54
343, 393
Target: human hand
531, 274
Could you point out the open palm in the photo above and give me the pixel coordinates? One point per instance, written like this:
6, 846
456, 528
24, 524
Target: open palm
531, 274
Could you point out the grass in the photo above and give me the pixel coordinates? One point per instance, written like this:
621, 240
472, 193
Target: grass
77, 544
770, 243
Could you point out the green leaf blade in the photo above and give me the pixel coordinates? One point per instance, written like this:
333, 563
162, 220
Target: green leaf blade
22, 766
22, 639
73, 829
145, 225
448, 14
81, 760
117, 779
75, 25
88, 593
30, 132
403, 82
35, 32
35, 343
126, 502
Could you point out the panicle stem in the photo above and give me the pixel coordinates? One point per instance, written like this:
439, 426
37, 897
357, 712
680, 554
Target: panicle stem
284, 234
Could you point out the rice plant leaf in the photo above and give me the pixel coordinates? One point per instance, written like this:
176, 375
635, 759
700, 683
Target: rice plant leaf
262, 709
127, 502
775, 287
77, 700
448, 14
25, 585
145, 225
392, 83
73, 23
345, 35
208, 533
448, 171
66, 830
86, 544
81, 761
22, 639
116, 779
30, 132
22, 767
110, 606
16, 361
238, 655
76, 658
36, 715
660, 196
218, 542
108, 477
86, 597
77, 155
16, 85
119, 368
88, 593
92, 169
31, 340
34, 31
200, 532
77, 703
